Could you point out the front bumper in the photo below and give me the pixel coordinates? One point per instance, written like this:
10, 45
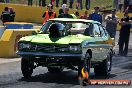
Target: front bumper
42, 54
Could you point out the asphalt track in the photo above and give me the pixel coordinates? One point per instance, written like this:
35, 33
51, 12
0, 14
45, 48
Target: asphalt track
11, 76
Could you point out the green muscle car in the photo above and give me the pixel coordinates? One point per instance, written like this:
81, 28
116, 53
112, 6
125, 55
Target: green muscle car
67, 43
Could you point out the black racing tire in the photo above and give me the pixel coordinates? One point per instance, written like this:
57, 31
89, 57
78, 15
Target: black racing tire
55, 69
85, 64
104, 67
26, 68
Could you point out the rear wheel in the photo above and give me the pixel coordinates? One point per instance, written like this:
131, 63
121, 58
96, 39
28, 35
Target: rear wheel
26, 68
104, 68
84, 70
55, 69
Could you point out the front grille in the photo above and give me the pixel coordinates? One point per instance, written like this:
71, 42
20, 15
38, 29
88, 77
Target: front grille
49, 48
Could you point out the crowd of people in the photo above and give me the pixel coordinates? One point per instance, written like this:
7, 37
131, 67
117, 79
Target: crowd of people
122, 5
117, 4
79, 3
5, 1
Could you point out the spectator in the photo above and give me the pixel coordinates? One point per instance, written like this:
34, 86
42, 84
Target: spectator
115, 4
57, 3
7, 1
48, 14
42, 3
30, 2
85, 15
61, 10
130, 6
126, 4
111, 23
12, 14
124, 34
5, 17
2, 1
64, 1
71, 3
79, 4
95, 15
76, 14
52, 3
121, 3
87, 4
65, 14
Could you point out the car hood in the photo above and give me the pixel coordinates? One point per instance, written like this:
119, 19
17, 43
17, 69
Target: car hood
44, 38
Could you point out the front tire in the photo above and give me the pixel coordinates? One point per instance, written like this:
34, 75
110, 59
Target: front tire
26, 68
104, 68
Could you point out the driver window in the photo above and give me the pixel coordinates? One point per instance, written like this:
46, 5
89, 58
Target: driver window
96, 31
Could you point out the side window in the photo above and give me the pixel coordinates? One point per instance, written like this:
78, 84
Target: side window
96, 31
46, 26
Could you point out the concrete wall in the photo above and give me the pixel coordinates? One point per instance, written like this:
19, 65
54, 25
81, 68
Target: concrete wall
25, 13
9, 40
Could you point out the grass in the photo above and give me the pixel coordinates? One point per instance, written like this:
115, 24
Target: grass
100, 3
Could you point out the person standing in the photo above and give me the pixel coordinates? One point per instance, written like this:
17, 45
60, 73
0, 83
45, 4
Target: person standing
2, 1
126, 4
48, 14
61, 10
12, 14
79, 4
130, 6
30, 2
124, 34
71, 3
42, 3
7, 1
87, 4
85, 15
111, 23
121, 3
57, 3
5, 16
52, 3
115, 4
64, 1
65, 14
95, 15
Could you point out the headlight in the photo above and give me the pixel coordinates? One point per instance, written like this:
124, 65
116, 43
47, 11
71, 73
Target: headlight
74, 48
22, 46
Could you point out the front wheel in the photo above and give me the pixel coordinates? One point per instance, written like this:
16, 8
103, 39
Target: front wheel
26, 68
104, 68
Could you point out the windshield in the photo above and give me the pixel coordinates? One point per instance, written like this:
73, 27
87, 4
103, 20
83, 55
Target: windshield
67, 28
